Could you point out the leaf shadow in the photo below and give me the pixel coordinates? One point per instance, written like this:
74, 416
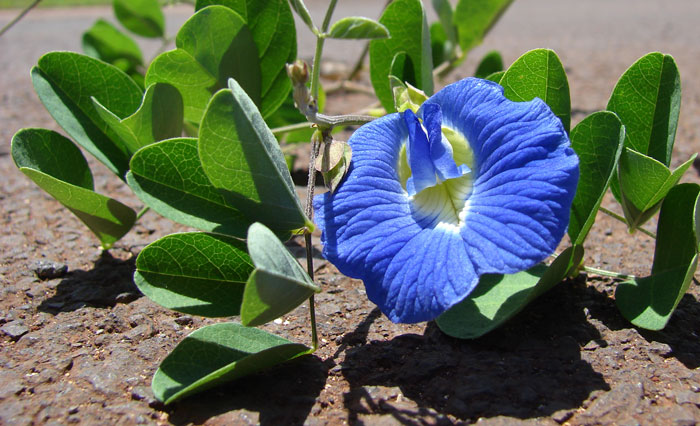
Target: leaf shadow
283, 395
531, 367
110, 281
681, 333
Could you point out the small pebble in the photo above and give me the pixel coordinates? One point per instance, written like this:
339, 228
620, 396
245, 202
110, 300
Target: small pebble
46, 269
15, 329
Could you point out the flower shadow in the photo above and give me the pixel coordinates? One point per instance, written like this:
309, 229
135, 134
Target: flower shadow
529, 368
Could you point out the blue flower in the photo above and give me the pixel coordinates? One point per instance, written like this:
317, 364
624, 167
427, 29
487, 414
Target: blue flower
482, 185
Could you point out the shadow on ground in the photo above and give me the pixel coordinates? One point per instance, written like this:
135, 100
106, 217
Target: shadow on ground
531, 367
109, 282
281, 396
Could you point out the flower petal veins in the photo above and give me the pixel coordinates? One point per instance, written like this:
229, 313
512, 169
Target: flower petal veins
481, 185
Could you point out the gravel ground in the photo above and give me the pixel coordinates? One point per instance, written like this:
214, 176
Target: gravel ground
78, 344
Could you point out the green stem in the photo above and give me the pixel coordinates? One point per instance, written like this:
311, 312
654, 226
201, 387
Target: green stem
605, 273
623, 220
18, 17
290, 128
310, 187
142, 212
320, 39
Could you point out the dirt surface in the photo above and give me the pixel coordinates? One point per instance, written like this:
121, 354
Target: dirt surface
79, 344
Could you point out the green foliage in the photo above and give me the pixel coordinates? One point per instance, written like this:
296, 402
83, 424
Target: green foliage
598, 141
410, 39
158, 118
497, 298
278, 284
447, 29
58, 167
491, 63
644, 182
105, 42
206, 281
217, 354
242, 158
214, 45
474, 19
356, 27
142, 17
272, 26
539, 74
66, 82
649, 302
169, 178
647, 98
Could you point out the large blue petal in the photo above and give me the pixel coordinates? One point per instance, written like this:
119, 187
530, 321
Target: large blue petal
525, 177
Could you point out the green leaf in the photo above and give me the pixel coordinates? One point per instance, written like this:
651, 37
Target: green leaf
214, 45
272, 25
58, 167
649, 302
495, 77
357, 27
301, 10
178, 68
278, 284
242, 158
647, 98
645, 182
66, 81
498, 298
491, 63
598, 141
474, 19
446, 19
105, 42
142, 17
217, 354
539, 74
158, 118
195, 273
168, 177
438, 43
406, 22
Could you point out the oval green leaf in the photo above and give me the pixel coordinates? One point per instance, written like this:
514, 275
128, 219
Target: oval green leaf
142, 17
647, 98
539, 74
56, 165
217, 354
474, 19
168, 177
649, 302
214, 45
495, 77
65, 83
644, 182
447, 27
406, 22
195, 273
498, 298
357, 27
278, 285
598, 142
491, 63
242, 158
158, 118
105, 42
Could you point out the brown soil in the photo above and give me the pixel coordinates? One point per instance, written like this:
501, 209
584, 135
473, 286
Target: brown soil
81, 345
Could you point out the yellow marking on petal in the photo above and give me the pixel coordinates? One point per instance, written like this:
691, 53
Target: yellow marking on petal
445, 203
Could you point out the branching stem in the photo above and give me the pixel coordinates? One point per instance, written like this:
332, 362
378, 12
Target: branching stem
623, 220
